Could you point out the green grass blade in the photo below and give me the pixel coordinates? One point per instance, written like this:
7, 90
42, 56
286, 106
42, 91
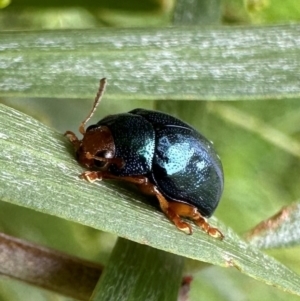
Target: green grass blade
170, 63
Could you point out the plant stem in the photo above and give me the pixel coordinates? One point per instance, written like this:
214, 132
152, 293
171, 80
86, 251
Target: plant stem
139, 272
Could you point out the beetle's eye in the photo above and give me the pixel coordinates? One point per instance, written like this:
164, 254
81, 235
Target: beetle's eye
102, 154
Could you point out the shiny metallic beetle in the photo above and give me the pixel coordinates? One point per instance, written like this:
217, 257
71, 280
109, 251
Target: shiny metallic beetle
162, 155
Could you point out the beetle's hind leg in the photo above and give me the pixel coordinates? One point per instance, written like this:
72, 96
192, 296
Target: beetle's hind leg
186, 210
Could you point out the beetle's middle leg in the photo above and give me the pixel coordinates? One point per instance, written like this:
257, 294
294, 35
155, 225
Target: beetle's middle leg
149, 188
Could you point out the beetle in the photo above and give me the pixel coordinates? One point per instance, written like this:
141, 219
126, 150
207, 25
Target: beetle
162, 155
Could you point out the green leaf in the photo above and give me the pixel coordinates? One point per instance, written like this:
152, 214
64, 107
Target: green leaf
280, 230
185, 63
38, 171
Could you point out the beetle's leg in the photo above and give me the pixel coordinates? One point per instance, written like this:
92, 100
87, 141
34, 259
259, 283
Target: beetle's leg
146, 187
73, 139
192, 212
93, 176
173, 210
173, 215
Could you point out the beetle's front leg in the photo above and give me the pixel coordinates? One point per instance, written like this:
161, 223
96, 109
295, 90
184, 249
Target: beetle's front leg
73, 139
92, 176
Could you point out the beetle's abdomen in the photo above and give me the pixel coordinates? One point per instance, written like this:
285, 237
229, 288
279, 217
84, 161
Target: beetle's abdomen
134, 140
185, 168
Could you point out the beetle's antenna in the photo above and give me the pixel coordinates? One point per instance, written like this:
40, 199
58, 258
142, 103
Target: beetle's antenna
96, 102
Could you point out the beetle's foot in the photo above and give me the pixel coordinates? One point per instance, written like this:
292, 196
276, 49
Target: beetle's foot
182, 226
71, 136
202, 223
171, 214
73, 139
177, 221
91, 176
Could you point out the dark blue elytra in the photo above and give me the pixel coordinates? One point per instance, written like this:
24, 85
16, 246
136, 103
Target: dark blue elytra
174, 156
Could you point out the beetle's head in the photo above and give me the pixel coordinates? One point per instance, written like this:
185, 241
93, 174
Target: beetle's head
96, 146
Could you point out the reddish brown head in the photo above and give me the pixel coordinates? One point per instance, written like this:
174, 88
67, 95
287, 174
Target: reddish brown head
96, 146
